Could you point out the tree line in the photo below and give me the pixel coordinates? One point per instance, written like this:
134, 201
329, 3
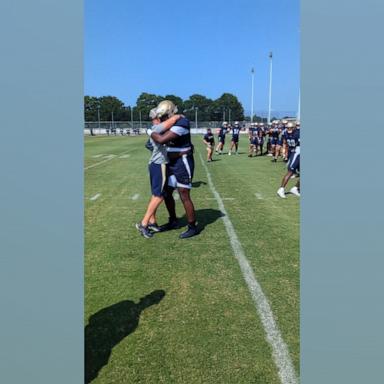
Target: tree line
107, 108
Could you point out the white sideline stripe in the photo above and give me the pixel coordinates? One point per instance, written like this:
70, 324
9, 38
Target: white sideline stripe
96, 156
93, 198
108, 158
135, 196
124, 156
259, 196
223, 198
280, 352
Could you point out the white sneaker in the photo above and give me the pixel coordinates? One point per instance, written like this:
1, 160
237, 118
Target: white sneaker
295, 191
293, 176
269, 154
281, 193
229, 153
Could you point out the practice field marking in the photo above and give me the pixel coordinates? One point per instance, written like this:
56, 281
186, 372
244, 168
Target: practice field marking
135, 196
93, 198
259, 196
223, 198
124, 156
279, 348
108, 158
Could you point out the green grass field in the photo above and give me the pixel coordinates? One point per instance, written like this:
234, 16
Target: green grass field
196, 322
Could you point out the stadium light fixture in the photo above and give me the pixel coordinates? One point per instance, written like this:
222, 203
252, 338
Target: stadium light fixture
253, 77
270, 87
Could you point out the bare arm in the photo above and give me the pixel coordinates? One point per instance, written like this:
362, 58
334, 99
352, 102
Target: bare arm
165, 137
169, 123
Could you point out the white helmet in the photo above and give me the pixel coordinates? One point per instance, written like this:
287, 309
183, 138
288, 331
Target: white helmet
152, 113
166, 108
289, 124
236, 123
284, 121
225, 123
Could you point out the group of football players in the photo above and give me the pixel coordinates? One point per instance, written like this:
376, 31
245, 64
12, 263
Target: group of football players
282, 139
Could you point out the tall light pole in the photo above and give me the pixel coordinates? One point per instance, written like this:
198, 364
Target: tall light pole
112, 118
98, 114
140, 117
223, 113
196, 108
270, 87
229, 115
253, 77
131, 116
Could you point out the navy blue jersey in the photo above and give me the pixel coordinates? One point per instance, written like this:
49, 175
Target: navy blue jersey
223, 131
292, 138
236, 131
209, 138
274, 132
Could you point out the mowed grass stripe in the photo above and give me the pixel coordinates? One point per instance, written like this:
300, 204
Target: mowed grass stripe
279, 348
205, 329
268, 230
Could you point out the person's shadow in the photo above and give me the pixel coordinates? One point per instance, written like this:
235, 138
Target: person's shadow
208, 216
107, 327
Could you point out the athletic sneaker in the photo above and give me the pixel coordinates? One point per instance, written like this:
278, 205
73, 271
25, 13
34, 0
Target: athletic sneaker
191, 230
269, 154
229, 153
293, 176
295, 191
144, 231
172, 224
154, 227
281, 193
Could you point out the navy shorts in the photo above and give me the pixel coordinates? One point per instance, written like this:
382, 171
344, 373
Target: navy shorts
180, 171
235, 139
254, 141
294, 162
157, 176
274, 141
222, 139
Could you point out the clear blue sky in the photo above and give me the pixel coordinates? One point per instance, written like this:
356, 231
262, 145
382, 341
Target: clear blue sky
186, 47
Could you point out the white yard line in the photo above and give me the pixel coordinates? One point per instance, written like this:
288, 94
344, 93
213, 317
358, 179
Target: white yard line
93, 198
135, 196
259, 196
108, 158
223, 198
280, 352
124, 156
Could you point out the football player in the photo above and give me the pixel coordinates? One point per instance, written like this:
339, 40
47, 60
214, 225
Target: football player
180, 167
292, 136
235, 138
157, 175
223, 130
209, 141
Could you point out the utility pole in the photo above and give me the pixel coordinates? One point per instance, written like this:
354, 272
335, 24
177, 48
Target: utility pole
270, 87
253, 77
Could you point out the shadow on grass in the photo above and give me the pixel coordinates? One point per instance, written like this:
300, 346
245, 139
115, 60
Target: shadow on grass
107, 327
207, 216
196, 184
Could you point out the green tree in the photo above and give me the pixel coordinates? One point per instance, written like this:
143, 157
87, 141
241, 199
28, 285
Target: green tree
230, 105
145, 102
109, 104
203, 105
178, 101
90, 108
